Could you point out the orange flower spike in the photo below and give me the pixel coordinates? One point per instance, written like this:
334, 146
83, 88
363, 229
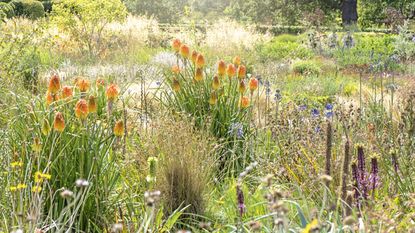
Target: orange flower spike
59, 122
83, 85
175, 69
230, 70
241, 71
236, 61
175, 44
49, 98
54, 84
253, 84
221, 68
176, 85
81, 109
216, 83
184, 51
112, 92
213, 98
92, 104
199, 74
242, 87
119, 128
67, 92
200, 61
244, 102
194, 56
100, 82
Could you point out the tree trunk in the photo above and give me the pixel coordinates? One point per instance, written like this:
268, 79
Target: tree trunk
349, 12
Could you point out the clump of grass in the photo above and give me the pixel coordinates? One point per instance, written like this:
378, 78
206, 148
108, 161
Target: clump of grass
306, 67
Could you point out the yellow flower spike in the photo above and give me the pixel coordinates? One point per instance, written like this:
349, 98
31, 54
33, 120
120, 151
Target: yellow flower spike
236, 61
92, 104
242, 87
13, 188
119, 128
16, 164
37, 146
221, 68
45, 127
67, 92
81, 109
176, 85
215, 83
36, 189
54, 84
213, 98
59, 122
82, 84
175, 44
175, 69
244, 102
112, 92
200, 61
199, 74
184, 51
230, 70
194, 56
241, 71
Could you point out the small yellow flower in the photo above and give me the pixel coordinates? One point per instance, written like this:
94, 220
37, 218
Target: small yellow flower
310, 226
13, 188
16, 164
21, 186
40, 177
36, 189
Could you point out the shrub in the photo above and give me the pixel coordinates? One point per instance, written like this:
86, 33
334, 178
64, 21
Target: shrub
283, 50
286, 38
31, 9
306, 68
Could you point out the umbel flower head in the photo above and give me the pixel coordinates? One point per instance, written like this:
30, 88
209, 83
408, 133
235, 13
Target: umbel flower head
81, 109
199, 74
67, 92
241, 71
119, 128
244, 102
112, 92
54, 84
82, 84
221, 68
200, 61
184, 51
230, 70
253, 84
175, 44
215, 83
92, 104
176, 85
59, 122
194, 56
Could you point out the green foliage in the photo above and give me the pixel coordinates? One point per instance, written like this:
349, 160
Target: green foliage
6, 10
307, 67
86, 21
284, 48
404, 44
31, 9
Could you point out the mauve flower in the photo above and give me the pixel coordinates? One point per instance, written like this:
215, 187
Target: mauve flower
302, 107
329, 106
240, 200
236, 130
315, 112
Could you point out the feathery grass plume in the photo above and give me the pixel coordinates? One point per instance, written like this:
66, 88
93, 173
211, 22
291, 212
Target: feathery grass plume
329, 145
236, 61
215, 83
92, 104
184, 51
83, 85
242, 87
213, 98
81, 109
119, 128
221, 68
230, 70
253, 84
67, 92
200, 61
345, 174
241, 72
59, 122
194, 56
244, 102
176, 85
199, 75
54, 84
175, 44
